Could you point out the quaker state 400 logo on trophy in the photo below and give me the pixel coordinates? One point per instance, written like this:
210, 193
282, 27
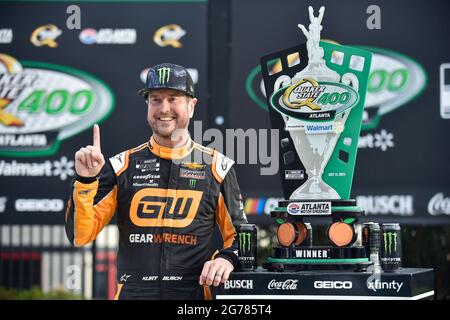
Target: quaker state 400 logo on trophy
315, 93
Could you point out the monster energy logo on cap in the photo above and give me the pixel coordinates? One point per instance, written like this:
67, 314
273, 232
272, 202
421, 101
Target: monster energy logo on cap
164, 75
170, 76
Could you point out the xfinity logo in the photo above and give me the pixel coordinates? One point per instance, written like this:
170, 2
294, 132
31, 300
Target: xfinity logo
43, 205
333, 284
381, 285
289, 284
239, 284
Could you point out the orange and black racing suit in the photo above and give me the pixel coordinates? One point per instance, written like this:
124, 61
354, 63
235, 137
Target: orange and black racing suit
168, 201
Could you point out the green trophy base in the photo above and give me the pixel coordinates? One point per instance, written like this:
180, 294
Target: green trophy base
296, 252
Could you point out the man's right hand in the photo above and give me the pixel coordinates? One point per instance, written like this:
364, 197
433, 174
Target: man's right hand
89, 160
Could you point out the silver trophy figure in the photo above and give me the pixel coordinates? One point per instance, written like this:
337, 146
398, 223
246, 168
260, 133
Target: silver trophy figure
315, 149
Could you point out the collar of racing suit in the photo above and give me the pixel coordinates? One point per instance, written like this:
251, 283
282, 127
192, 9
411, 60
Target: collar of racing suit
170, 153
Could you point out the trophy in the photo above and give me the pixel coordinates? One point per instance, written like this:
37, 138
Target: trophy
315, 93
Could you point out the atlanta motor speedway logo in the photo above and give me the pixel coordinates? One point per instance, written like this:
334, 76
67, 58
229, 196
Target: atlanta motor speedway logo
42, 104
394, 81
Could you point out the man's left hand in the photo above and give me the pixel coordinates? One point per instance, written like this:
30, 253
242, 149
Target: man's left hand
215, 272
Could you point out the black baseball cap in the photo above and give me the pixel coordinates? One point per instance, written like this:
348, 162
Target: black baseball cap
168, 76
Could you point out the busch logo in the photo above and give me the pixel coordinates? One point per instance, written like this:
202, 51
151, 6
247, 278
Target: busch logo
239, 284
245, 242
289, 284
164, 75
390, 240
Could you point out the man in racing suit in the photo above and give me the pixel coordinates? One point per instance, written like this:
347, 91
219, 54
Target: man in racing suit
168, 193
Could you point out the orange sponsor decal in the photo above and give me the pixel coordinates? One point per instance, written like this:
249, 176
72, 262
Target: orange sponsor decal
155, 207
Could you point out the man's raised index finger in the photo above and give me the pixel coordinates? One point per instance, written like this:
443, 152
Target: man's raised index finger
96, 136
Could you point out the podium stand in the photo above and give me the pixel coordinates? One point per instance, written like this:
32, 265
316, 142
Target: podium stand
404, 284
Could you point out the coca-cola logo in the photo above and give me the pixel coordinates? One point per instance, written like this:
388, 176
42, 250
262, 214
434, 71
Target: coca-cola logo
439, 205
289, 284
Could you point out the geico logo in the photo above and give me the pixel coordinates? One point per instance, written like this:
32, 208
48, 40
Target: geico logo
155, 207
44, 205
239, 284
333, 284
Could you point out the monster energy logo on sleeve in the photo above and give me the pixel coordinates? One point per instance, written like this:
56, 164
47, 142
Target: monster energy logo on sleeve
164, 75
390, 238
244, 242
192, 183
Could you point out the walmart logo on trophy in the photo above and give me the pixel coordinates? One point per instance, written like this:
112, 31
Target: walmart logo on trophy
316, 100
